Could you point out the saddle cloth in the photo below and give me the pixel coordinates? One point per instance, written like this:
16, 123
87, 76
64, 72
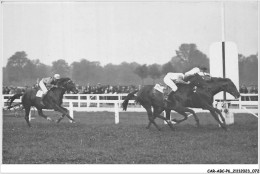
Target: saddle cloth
159, 88
39, 93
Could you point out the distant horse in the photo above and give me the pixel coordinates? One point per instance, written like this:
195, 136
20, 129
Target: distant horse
150, 98
52, 100
202, 98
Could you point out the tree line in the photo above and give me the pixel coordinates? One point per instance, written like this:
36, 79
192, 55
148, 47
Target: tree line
22, 71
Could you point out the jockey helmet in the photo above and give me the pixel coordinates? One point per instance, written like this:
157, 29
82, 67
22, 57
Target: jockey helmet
56, 76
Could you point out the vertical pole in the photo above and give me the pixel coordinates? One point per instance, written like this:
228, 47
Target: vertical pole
116, 113
223, 43
71, 110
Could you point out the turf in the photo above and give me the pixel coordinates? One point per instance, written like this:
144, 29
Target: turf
96, 139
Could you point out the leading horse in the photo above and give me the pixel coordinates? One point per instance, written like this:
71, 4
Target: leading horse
203, 98
150, 98
52, 100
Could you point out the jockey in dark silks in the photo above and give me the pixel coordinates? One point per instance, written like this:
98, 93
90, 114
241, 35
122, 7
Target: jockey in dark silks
48, 81
197, 70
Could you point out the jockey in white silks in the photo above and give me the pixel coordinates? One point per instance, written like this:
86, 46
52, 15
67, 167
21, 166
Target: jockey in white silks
48, 81
172, 78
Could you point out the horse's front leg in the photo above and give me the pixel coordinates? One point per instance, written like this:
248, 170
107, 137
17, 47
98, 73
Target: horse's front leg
213, 112
64, 112
42, 115
157, 111
182, 110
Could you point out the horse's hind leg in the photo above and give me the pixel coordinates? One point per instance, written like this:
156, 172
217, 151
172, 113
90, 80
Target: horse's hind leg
27, 112
151, 118
42, 115
158, 111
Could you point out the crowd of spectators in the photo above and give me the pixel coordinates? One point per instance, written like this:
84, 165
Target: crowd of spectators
105, 89
119, 89
251, 89
88, 89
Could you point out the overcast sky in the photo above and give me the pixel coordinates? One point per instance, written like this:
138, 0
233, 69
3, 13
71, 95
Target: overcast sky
113, 32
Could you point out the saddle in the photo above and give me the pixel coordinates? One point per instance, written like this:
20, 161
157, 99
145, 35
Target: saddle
164, 90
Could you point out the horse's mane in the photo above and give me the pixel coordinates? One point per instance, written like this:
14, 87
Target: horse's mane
62, 80
218, 79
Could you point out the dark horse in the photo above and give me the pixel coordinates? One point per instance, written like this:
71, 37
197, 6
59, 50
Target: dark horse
148, 97
202, 98
52, 100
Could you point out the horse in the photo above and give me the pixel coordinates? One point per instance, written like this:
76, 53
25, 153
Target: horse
150, 98
52, 100
202, 98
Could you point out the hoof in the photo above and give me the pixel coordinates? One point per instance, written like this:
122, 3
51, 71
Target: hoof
49, 119
174, 121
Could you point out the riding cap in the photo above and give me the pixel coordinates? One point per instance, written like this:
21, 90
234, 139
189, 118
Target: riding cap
56, 76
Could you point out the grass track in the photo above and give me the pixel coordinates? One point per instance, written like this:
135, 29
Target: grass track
96, 139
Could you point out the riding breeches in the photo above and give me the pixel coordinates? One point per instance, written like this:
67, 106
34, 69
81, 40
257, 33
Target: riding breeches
168, 81
43, 87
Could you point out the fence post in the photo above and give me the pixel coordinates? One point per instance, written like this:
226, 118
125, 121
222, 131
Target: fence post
30, 115
116, 112
164, 114
71, 110
98, 104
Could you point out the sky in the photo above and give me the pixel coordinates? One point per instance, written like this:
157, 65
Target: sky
116, 32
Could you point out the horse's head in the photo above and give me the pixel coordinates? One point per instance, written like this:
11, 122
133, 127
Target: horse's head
196, 80
230, 87
67, 84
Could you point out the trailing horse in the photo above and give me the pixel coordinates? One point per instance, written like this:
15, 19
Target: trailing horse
202, 98
52, 100
150, 98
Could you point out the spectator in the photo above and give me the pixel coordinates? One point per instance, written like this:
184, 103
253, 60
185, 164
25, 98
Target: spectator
254, 90
244, 90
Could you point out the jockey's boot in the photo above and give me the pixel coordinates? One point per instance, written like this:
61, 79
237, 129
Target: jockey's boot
166, 94
41, 102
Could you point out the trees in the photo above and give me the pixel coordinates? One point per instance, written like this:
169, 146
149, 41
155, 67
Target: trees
167, 67
61, 67
188, 56
142, 72
248, 69
19, 67
154, 72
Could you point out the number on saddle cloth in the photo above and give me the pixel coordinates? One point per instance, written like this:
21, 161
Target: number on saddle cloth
159, 88
39, 93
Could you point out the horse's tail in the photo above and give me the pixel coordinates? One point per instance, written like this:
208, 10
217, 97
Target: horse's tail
128, 97
11, 99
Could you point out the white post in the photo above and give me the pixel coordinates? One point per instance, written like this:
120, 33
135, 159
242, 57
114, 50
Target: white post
116, 112
71, 110
88, 100
164, 114
98, 104
30, 115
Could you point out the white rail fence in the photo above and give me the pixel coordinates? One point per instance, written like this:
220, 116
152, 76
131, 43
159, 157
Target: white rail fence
112, 103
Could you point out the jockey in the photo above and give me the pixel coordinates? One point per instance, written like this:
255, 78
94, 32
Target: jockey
171, 78
197, 70
47, 82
